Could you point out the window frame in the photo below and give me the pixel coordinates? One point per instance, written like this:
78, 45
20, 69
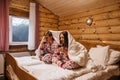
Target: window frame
11, 42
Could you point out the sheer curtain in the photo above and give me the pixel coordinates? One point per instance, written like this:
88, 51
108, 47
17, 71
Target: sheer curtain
34, 25
4, 25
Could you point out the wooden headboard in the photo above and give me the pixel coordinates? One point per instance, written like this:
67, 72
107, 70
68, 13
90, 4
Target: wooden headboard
88, 45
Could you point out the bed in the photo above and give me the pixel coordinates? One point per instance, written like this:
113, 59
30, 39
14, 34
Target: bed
17, 72
23, 66
102, 64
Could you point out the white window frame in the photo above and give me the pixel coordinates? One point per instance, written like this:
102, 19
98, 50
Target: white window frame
10, 34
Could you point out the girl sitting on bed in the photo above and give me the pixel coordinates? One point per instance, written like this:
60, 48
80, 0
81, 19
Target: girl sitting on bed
62, 58
48, 47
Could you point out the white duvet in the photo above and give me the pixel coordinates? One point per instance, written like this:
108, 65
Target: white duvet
43, 71
110, 71
27, 60
53, 72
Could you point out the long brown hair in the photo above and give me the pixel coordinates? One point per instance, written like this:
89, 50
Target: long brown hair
48, 33
65, 34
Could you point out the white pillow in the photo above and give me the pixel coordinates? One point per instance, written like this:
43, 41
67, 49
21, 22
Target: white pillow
114, 56
99, 55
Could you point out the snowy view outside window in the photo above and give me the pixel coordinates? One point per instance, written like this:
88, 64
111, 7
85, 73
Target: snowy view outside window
20, 27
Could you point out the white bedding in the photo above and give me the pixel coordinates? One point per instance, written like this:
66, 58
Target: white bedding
43, 71
101, 75
27, 60
53, 72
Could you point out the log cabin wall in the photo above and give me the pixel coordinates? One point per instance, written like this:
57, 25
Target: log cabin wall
105, 28
47, 20
19, 8
106, 22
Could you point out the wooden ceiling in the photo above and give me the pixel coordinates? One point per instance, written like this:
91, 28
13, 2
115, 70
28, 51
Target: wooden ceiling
61, 7
69, 7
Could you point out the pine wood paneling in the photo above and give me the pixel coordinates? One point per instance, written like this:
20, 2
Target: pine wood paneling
69, 7
48, 21
92, 43
109, 37
108, 22
47, 24
18, 48
105, 27
43, 10
48, 15
104, 30
115, 29
18, 13
92, 12
19, 8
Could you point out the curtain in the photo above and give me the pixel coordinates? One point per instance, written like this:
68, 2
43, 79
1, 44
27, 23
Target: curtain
33, 38
37, 26
4, 25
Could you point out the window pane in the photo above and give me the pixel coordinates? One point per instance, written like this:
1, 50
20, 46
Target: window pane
20, 28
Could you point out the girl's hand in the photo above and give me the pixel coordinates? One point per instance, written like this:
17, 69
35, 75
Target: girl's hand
61, 49
65, 54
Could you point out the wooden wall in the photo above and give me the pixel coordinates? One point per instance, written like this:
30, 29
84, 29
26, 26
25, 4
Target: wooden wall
47, 20
19, 8
105, 27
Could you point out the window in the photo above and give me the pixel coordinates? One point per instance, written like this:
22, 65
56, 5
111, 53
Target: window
19, 28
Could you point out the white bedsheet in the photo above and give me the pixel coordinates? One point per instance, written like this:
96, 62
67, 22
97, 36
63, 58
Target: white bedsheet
53, 72
28, 60
101, 75
43, 71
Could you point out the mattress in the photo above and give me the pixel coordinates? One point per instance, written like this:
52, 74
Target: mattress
53, 72
42, 71
112, 70
27, 60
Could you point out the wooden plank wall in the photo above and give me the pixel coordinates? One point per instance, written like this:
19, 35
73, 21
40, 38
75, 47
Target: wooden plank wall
105, 27
48, 21
19, 8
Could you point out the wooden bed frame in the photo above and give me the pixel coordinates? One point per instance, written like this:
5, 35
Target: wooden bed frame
23, 75
88, 45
